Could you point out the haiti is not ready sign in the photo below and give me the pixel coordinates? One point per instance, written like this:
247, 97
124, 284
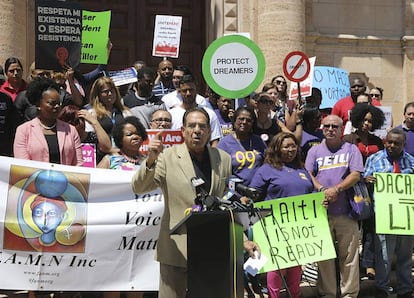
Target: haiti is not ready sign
233, 66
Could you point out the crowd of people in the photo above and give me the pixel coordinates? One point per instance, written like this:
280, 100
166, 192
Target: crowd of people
278, 146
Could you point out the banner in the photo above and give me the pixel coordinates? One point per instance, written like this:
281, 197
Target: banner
95, 35
58, 29
296, 233
75, 229
167, 34
394, 200
333, 83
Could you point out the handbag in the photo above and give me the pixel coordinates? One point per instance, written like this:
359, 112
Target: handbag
360, 201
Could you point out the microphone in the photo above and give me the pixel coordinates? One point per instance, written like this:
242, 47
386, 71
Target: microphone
236, 185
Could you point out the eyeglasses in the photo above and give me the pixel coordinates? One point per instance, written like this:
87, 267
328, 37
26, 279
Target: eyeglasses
159, 120
332, 126
280, 82
375, 95
166, 68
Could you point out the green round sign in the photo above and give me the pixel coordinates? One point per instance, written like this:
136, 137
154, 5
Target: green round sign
233, 66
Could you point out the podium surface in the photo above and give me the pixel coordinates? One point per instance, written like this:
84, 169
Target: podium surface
214, 254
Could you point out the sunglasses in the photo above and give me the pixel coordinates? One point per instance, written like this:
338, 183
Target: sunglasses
328, 126
357, 86
375, 95
280, 82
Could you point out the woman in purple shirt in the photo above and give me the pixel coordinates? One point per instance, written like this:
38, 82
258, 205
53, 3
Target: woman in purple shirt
245, 148
283, 175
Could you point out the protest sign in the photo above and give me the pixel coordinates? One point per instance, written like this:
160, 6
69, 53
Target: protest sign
123, 77
169, 137
305, 85
298, 232
333, 83
233, 66
167, 33
65, 228
89, 155
382, 132
58, 29
95, 35
394, 200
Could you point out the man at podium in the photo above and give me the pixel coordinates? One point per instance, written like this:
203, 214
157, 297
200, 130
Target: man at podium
172, 170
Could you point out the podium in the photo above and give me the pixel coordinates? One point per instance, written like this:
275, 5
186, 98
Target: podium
214, 253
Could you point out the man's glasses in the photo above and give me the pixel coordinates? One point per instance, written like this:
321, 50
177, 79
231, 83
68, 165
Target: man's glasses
166, 68
159, 120
328, 126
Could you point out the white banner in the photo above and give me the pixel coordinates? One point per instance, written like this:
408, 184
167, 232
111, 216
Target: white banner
73, 228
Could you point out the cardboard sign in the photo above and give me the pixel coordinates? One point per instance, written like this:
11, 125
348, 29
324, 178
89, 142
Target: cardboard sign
305, 85
298, 232
95, 33
394, 199
296, 66
169, 137
123, 77
167, 34
89, 155
233, 66
333, 83
58, 30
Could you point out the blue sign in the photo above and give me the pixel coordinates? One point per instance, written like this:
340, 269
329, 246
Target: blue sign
333, 83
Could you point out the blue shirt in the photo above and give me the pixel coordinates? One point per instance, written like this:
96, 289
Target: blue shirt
381, 162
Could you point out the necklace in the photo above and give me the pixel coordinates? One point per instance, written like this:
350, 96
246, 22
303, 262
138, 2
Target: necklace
135, 160
47, 127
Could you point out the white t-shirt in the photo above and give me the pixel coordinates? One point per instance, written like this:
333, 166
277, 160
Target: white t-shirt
174, 99
177, 114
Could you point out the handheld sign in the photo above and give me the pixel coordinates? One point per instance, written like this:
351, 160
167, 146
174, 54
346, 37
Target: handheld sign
167, 34
233, 66
58, 30
296, 66
95, 32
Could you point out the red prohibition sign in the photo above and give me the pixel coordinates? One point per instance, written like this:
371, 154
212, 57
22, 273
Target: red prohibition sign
296, 66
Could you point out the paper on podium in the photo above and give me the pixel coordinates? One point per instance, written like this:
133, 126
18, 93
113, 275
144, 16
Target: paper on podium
253, 266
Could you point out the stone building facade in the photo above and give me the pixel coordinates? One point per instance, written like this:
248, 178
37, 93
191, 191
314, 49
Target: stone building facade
374, 38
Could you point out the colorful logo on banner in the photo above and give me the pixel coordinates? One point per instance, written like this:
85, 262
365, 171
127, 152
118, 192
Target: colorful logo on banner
46, 210
394, 200
169, 137
297, 232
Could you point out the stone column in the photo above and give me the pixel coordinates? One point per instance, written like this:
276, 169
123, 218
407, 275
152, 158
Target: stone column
407, 44
13, 28
280, 30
